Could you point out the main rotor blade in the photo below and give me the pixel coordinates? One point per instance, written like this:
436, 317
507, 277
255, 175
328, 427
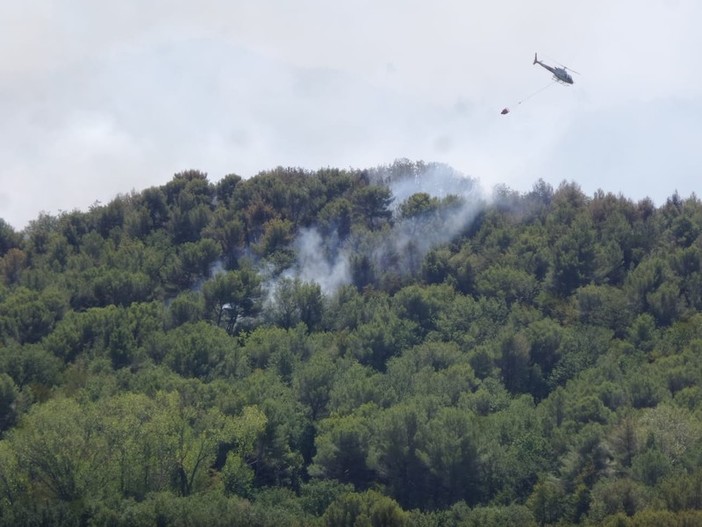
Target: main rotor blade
563, 65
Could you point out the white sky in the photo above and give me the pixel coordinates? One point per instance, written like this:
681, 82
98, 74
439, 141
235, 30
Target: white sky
101, 98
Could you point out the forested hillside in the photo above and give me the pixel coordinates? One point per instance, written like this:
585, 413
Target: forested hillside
356, 348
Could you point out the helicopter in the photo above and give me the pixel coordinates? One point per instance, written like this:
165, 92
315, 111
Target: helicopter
559, 74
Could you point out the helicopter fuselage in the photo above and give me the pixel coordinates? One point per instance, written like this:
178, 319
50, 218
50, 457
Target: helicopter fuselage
560, 74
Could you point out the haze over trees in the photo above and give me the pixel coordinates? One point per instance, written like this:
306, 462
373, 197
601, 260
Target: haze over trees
353, 347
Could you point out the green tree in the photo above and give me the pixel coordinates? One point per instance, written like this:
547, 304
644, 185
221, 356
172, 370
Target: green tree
604, 306
612, 496
423, 305
27, 316
337, 217
574, 257
12, 263
295, 301
512, 285
449, 451
8, 402
682, 491
196, 448
418, 204
8, 237
514, 362
277, 235
354, 386
370, 509
395, 455
226, 187
186, 307
31, 366
231, 297
196, 350
371, 205
342, 445
279, 452
197, 258
547, 502
313, 382
14, 482
61, 449
385, 336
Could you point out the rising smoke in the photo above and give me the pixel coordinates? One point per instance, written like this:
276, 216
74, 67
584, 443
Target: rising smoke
327, 260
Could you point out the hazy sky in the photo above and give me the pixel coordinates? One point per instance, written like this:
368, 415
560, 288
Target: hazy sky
101, 98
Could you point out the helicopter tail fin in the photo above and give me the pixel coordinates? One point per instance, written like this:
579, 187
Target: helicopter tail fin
535, 59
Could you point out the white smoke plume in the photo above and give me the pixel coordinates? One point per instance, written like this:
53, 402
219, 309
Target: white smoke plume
324, 261
327, 260
438, 180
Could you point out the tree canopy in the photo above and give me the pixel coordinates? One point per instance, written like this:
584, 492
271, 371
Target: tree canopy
330, 348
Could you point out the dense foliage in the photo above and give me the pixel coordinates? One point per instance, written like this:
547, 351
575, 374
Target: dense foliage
305, 348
